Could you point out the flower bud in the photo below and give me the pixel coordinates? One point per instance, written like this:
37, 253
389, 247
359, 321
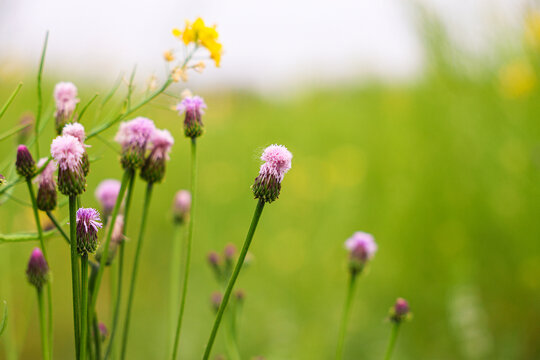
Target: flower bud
68, 152
37, 271
46, 196
88, 224
216, 299
133, 136
214, 262
65, 95
267, 185
240, 295
181, 206
25, 164
193, 107
361, 248
400, 311
153, 169
103, 332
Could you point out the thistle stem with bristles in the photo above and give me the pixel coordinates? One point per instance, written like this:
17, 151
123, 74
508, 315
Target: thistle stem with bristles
234, 276
146, 206
345, 317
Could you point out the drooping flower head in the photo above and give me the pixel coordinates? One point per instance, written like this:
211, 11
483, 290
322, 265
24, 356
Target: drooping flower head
25, 164
361, 248
106, 193
46, 196
400, 311
153, 169
88, 224
277, 162
181, 206
37, 271
68, 152
193, 107
65, 95
133, 136
116, 239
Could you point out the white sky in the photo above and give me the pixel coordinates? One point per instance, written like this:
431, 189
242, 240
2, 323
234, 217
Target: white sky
270, 45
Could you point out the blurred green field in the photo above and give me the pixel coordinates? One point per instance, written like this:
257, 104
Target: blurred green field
443, 172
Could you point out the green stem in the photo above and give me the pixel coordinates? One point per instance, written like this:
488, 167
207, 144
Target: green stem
97, 338
10, 100
234, 276
175, 275
345, 318
75, 272
188, 245
116, 314
84, 306
232, 345
128, 173
42, 324
146, 206
392, 342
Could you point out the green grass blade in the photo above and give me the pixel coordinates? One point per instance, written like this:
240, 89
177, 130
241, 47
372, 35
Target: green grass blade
10, 99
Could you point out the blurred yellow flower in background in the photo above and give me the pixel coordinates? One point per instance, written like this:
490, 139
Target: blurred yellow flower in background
532, 29
202, 35
517, 79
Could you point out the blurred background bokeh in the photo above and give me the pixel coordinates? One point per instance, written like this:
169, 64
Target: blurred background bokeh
416, 121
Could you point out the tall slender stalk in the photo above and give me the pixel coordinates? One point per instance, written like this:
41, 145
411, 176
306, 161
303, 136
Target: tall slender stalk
116, 314
42, 325
234, 276
44, 250
188, 245
75, 273
175, 275
146, 206
392, 341
345, 317
84, 306
39, 93
128, 173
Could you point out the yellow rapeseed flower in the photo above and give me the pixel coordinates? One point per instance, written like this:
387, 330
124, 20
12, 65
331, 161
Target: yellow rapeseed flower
517, 79
201, 34
168, 55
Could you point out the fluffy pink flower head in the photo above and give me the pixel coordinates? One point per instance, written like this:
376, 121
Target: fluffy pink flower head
182, 206
361, 246
153, 169
162, 141
65, 94
135, 132
67, 151
88, 224
76, 130
191, 104
277, 160
106, 193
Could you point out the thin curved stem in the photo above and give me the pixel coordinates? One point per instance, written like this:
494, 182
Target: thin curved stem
234, 276
146, 206
392, 341
175, 276
84, 306
75, 273
116, 314
345, 318
188, 246
42, 325
58, 226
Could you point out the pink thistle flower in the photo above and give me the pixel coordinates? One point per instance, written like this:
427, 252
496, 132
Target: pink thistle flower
25, 164
46, 196
361, 248
106, 193
37, 271
277, 162
68, 153
193, 107
153, 169
65, 95
75, 130
133, 136
88, 224
182, 206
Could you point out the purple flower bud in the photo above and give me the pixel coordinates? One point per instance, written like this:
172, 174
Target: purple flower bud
65, 95
277, 162
240, 295
153, 169
37, 271
88, 224
25, 164
103, 332
46, 196
229, 252
182, 206
133, 136
68, 153
216, 299
106, 193
361, 248
193, 107
400, 311
213, 258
